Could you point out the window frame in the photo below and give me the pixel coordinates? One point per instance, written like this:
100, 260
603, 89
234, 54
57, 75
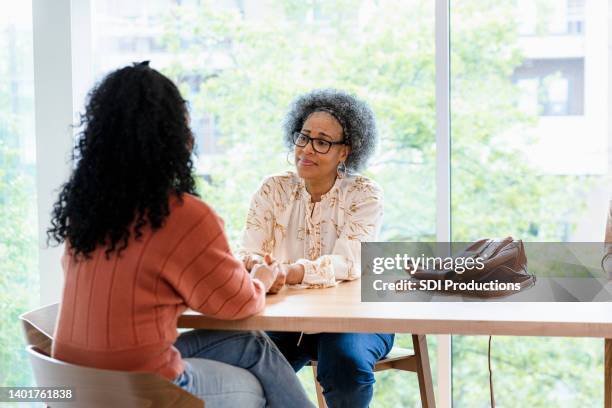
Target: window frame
63, 73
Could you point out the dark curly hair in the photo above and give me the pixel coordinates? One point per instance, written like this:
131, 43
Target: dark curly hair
133, 153
355, 117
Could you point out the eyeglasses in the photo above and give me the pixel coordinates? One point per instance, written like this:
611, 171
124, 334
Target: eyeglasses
319, 145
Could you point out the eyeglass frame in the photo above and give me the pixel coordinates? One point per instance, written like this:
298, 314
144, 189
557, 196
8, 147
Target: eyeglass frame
297, 134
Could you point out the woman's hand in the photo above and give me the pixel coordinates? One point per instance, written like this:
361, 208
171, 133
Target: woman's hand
281, 278
295, 274
263, 268
251, 260
280, 272
266, 274
288, 274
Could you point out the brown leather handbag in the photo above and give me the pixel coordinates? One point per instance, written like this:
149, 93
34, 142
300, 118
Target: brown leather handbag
503, 260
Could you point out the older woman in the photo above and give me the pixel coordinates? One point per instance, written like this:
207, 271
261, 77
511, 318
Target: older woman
313, 221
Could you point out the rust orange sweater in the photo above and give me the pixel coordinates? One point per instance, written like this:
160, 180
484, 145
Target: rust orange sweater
121, 313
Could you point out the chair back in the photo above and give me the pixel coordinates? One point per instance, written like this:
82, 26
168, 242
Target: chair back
96, 388
39, 326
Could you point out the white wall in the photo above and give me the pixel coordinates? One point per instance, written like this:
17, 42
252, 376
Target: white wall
57, 93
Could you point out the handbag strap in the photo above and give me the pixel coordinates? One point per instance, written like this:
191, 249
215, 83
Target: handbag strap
607, 241
608, 238
491, 375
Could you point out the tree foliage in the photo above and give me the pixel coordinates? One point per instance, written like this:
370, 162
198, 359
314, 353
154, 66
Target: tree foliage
246, 68
240, 68
18, 249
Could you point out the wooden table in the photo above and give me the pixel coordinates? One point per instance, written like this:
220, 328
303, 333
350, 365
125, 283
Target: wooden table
339, 309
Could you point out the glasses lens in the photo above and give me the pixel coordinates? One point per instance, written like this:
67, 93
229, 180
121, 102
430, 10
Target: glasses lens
321, 146
299, 139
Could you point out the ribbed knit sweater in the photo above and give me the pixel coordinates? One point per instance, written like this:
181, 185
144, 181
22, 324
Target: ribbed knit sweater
121, 313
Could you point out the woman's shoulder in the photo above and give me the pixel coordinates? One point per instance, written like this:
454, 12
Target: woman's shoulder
361, 186
285, 183
190, 204
281, 189
286, 178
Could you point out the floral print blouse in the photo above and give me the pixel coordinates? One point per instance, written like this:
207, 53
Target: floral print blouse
325, 237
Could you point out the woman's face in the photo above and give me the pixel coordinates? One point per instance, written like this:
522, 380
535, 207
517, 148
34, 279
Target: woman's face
311, 164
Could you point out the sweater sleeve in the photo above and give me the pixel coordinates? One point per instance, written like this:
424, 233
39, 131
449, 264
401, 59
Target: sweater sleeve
214, 282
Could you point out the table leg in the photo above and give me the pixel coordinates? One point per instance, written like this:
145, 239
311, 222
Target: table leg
318, 388
419, 344
608, 373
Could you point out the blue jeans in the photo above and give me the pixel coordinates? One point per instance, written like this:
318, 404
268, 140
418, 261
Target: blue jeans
345, 362
247, 370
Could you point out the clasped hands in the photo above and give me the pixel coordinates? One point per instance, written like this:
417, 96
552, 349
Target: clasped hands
273, 274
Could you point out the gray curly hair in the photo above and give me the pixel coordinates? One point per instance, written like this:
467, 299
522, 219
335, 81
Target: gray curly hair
355, 117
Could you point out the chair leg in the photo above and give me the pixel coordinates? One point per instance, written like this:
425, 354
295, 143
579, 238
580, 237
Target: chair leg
419, 343
320, 397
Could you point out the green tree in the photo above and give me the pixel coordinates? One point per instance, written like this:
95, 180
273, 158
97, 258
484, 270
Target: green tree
496, 193
18, 250
243, 67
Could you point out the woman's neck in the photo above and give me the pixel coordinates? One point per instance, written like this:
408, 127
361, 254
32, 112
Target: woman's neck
316, 188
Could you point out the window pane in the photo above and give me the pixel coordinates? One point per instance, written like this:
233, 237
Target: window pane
240, 63
18, 223
531, 159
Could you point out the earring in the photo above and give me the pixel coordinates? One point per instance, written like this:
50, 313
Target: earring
341, 169
288, 161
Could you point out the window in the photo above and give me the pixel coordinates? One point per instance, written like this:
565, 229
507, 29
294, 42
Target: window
532, 162
241, 63
560, 85
18, 226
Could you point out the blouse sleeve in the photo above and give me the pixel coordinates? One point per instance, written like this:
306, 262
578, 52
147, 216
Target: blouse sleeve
363, 223
258, 234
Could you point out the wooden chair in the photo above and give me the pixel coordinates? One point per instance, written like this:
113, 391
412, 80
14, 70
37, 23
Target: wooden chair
39, 325
93, 387
400, 359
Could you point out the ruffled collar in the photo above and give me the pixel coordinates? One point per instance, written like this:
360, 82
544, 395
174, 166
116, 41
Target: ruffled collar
306, 195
